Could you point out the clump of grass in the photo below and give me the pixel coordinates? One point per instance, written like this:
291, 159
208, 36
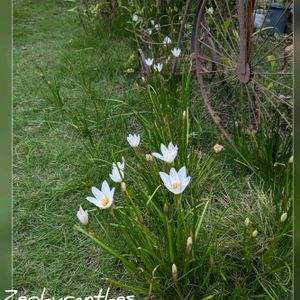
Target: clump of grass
267, 153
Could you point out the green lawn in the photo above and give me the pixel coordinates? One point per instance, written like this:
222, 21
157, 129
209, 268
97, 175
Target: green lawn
52, 174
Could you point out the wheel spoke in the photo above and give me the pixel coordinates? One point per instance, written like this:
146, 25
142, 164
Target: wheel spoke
274, 106
210, 34
257, 98
251, 106
216, 62
275, 81
271, 50
268, 36
274, 95
223, 22
220, 31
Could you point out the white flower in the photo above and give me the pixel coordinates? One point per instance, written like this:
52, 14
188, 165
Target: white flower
158, 67
104, 198
210, 10
167, 41
157, 26
176, 52
176, 182
149, 61
218, 148
83, 216
135, 18
149, 31
117, 173
168, 154
133, 140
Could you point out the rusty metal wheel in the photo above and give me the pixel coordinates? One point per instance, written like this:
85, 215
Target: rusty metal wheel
252, 75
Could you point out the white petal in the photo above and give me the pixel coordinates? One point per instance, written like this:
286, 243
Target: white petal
182, 174
115, 177
105, 188
174, 176
93, 200
172, 157
177, 191
185, 183
164, 150
157, 155
112, 193
97, 193
166, 179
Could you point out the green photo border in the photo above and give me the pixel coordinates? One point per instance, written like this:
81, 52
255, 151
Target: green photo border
6, 144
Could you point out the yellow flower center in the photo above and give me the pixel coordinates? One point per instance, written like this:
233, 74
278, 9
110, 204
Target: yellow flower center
105, 201
176, 185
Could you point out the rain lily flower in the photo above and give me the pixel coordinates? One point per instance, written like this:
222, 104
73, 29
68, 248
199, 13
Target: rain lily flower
104, 198
176, 52
149, 61
117, 173
135, 18
149, 31
167, 41
158, 67
176, 182
157, 26
218, 148
210, 10
83, 216
168, 154
133, 140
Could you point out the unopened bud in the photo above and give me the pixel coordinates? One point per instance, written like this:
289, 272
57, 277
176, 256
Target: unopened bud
166, 208
174, 272
141, 219
184, 115
246, 222
283, 217
218, 148
291, 160
189, 243
211, 261
236, 124
149, 157
254, 233
123, 158
123, 187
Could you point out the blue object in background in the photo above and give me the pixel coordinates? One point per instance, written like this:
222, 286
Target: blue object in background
277, 17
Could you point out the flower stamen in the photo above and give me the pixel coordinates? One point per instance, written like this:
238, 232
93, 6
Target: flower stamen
175, 185
105, 201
